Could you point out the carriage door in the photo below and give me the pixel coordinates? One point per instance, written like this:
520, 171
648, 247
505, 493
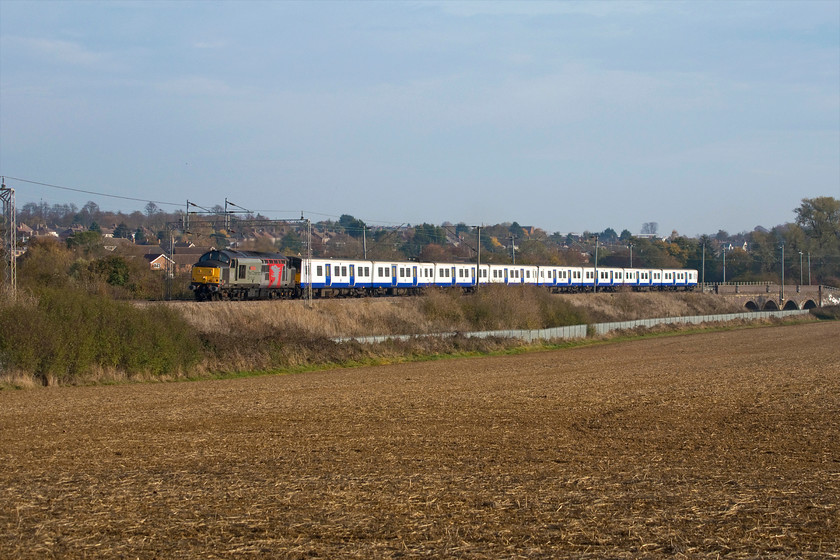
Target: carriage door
414, 276
328, 280
352, 275
506, 275
393, 275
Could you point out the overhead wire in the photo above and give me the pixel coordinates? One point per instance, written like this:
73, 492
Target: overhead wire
85, 191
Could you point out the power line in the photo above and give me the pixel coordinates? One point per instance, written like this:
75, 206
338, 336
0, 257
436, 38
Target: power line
93, 192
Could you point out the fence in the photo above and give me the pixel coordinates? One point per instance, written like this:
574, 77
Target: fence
581, 331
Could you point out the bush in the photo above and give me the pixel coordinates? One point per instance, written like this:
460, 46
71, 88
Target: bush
65, 335
500, 307
827, 313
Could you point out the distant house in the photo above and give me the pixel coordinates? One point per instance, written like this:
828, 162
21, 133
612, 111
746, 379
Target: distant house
184, 263
182, 259
320, 238
44, 231
24, 232
72, 230
729, 246
157, 261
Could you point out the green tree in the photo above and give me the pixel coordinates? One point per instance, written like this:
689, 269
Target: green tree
820, 219
352, 226
113, 269
88, 242
608, 236
291, 243
122, 231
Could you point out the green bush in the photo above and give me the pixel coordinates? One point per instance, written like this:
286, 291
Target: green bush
66, 334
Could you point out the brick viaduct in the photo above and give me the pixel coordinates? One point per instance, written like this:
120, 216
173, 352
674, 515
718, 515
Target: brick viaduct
770, 297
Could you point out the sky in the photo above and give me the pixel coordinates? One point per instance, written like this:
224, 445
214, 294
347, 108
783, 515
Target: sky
568, 116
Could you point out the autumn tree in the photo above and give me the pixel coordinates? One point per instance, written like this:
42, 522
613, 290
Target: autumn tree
820, 220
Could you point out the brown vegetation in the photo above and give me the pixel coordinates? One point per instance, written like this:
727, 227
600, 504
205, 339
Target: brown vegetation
717, 445
80, 336
443, 311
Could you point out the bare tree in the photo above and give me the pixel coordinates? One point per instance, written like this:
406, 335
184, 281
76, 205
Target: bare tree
650, 228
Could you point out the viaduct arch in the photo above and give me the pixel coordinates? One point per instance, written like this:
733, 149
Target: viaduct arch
774, 297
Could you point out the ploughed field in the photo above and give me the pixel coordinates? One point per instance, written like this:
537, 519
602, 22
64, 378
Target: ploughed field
722, 444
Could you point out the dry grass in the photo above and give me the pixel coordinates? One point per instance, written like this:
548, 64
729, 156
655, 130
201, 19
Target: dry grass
719, 445
439, 311
628, 306
326, 318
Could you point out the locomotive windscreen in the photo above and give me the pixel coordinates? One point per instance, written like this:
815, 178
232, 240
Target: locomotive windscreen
215, 256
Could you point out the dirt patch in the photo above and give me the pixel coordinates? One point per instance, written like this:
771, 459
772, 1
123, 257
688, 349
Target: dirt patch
713, 445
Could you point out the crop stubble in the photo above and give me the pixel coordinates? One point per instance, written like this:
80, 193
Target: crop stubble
721, 444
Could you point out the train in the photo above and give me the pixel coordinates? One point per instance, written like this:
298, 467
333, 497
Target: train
252, 275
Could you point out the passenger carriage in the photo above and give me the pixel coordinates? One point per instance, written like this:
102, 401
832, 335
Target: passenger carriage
637, 278
336, 276
610, 278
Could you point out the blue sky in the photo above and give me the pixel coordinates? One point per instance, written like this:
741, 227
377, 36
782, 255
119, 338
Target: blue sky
568, 116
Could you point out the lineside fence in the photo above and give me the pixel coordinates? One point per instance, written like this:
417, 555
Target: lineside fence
582, 331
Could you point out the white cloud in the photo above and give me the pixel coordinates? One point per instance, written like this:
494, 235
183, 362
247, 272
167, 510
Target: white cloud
63, 52
209, 44
190, 86
543, 8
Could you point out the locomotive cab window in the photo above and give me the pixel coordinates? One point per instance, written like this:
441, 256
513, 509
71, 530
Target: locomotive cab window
214, 256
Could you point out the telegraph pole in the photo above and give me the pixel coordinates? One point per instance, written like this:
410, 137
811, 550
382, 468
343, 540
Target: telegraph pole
782, 292
513, 249
596, 266
308, 302
800, 268
478, 261
9, 250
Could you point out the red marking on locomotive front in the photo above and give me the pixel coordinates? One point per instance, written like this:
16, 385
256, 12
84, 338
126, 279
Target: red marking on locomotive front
275, 274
